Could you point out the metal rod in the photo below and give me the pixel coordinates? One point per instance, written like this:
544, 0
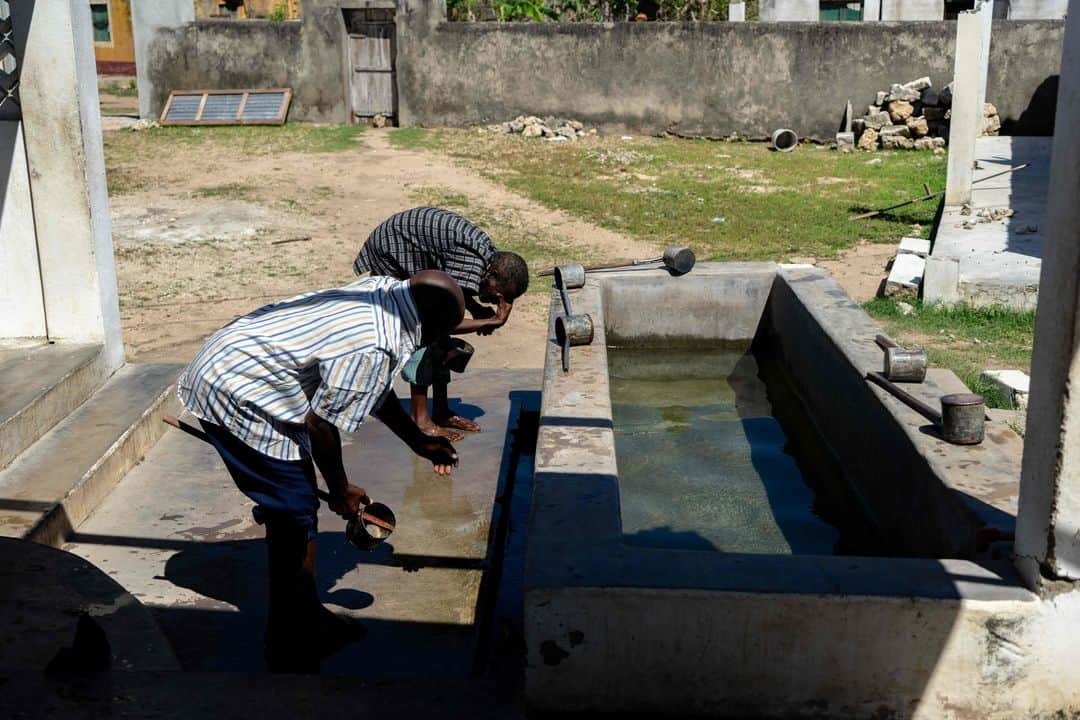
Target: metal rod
884, 343
608, 266
930, 195
566, 355
914, 403
196, 432
565, 299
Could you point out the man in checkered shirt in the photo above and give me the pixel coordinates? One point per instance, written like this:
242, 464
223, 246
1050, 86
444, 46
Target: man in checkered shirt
427, 238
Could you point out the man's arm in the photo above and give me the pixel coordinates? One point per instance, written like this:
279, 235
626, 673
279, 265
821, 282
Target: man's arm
345, 499
436, 449
486, 326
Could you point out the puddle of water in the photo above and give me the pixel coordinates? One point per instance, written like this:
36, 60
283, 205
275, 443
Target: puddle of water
703, 462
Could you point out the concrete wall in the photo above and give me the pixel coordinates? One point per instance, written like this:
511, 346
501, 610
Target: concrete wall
748, 78
148, 17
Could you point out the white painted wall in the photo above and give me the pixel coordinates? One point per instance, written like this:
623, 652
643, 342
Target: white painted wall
789, 11
1037, 9
912, 9
66, 160
22, 313
146, 17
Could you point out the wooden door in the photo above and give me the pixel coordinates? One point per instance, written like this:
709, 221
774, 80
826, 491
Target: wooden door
371, 57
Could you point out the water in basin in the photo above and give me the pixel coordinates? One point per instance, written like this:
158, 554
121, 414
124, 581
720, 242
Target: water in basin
703, 463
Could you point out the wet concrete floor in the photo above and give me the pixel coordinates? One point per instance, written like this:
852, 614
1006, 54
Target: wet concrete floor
179, 536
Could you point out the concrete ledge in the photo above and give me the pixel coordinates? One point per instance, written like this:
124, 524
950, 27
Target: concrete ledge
58, 482
42, 385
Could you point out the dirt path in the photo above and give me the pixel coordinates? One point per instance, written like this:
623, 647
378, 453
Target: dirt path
200, 239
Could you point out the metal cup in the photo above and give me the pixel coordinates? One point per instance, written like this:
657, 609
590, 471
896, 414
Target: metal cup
570, 276
963, 416
366, 535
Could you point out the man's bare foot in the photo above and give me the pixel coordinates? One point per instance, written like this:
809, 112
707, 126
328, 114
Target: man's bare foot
457, 422
430, 428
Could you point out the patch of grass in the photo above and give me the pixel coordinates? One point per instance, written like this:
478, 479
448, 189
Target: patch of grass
228, 190
414, 138
121, 89
671, 190
964, 340
126, 145
123, 179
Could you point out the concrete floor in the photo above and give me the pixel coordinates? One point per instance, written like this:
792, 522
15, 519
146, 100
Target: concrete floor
1000, 261
179, 536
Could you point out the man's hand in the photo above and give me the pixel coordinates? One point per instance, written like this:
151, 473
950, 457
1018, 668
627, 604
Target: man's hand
436, 449
502, 314
348, 504
439, 451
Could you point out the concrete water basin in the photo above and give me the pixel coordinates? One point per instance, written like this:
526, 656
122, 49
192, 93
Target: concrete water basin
687, 611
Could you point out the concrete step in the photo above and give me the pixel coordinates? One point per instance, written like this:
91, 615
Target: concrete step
57, 482
41, 386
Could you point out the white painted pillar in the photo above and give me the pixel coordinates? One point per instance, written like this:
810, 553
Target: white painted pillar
62, 128
736, 12
22, 310
871, 10
985, 8
146, 17
972, 43
1048, 526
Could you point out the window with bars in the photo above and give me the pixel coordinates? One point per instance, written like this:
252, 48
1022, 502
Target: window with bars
99, 18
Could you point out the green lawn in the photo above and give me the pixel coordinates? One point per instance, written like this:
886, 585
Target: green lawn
130, 146
775, 206
670, 190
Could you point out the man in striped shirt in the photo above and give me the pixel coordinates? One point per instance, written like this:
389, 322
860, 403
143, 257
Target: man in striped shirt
427, 238
273, 389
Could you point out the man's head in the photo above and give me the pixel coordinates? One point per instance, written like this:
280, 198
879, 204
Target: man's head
439, 302
508, 275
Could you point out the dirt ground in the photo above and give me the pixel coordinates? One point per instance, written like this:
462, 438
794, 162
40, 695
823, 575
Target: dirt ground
190, 258
208, 236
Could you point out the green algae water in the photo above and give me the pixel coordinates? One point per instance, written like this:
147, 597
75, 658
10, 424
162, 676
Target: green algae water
703, 463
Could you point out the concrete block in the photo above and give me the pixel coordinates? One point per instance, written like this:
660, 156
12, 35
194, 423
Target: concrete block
914, 246
1012, 386
71, 469
906, 275
845, 141
941, 281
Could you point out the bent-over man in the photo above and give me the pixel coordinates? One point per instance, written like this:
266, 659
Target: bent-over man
427, 238
273, 389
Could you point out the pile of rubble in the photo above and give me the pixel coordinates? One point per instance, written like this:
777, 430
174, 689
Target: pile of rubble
914, 115
532, 126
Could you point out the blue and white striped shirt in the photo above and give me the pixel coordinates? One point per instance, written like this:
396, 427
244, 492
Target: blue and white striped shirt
335, 352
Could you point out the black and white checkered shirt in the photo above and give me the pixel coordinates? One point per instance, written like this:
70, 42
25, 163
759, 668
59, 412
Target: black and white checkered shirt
427, 238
